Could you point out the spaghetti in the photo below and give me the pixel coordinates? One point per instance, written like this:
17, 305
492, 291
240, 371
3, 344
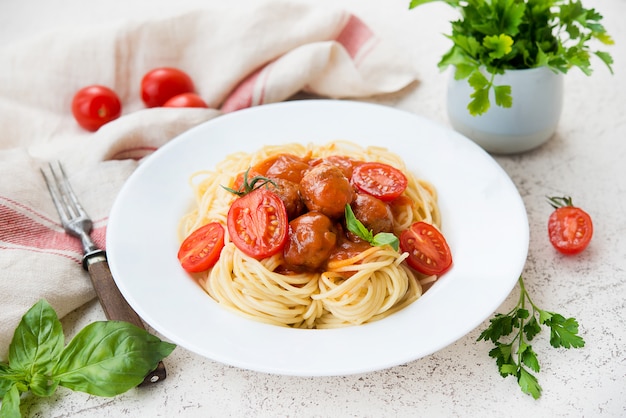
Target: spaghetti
364, 287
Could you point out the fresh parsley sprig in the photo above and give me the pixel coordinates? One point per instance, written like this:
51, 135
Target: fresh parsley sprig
248, 185
516, 356
106, 358
497, 35
357, 228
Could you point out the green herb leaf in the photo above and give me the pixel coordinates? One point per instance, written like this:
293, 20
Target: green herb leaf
385, 238
480, 102
512, 354
528, 383
7, 379
532, 328
107, 358
564, 332
10, 407
37, 341
499, 45
529, 358
357, 228
478, 81
503, 96
500, 325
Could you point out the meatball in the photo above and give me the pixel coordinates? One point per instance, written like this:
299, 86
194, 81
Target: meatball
325, 189
283, 166
289, 193
373, 213
312, 238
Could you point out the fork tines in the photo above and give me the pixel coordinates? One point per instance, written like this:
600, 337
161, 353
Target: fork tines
63, 195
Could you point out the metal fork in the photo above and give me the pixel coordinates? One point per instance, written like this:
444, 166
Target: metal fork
77, 223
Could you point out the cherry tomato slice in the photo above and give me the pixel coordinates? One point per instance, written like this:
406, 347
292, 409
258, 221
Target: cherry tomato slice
185, 100
379, 180
93, 106
428, 250
257, 223
201, 249
570, 229
161, 84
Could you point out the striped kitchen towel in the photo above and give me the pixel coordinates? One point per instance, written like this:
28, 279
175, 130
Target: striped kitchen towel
237, 57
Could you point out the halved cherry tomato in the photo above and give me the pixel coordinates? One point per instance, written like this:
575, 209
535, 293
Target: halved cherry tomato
379, 180
569, 227
201, 249
257, 223
428, 250
161, 84
185, 100
93, 106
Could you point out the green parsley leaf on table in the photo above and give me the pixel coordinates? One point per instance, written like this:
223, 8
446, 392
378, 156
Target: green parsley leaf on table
514, 355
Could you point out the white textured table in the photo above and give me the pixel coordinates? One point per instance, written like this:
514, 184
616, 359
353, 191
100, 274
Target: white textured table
584, 159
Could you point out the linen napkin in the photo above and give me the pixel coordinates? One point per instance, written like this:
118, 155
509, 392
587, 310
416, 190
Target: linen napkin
237, 58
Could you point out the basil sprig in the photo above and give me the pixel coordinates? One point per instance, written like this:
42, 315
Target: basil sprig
106, 358
356, 227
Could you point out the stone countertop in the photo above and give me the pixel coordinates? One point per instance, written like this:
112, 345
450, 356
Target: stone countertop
584, 159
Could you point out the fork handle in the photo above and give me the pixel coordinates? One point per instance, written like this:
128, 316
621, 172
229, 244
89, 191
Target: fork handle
113, 303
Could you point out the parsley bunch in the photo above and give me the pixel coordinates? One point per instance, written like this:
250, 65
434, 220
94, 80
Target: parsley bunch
496, 35
516, 356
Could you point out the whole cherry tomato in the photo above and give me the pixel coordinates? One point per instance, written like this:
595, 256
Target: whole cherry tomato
185, 100
201, 249
93, 106
161, 84
428, 250
257, 223
569, 227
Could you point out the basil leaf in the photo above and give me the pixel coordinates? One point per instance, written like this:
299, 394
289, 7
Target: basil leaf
107, 358
356, 227
386, 238
42, 385
37, 341
10, 407
7, 379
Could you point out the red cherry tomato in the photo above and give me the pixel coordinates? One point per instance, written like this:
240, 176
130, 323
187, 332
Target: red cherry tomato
201, 249
379, 180
185, 100
257, 223
569, 228
93, 106
428, 250
161, 84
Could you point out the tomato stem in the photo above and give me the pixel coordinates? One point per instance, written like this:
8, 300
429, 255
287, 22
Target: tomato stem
558, 202
250, 185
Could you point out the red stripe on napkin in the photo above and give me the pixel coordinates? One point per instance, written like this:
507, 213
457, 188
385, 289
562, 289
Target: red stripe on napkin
356, 38
25, 229
244, 94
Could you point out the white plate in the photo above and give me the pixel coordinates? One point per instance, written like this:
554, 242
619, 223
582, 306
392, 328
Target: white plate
484, 221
